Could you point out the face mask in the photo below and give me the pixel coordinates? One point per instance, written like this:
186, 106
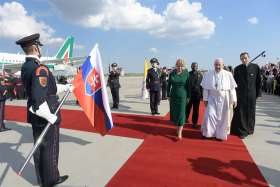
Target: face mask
154, 65
39, 52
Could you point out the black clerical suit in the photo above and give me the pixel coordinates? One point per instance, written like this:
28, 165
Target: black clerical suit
163, 80
248, 79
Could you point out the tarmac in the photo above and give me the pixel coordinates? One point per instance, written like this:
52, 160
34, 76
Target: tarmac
263, 146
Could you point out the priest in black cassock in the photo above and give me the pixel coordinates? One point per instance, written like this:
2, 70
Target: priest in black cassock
248, 78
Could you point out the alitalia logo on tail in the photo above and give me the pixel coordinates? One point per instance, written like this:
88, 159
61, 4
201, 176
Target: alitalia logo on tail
66, 50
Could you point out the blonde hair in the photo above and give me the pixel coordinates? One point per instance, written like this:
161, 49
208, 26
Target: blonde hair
180, 62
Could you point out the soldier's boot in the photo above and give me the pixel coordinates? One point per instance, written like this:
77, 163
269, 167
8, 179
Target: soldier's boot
61, 179
3, 128
157, 112
114, 106
195, 126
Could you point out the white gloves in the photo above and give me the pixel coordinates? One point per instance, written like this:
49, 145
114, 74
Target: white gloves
44, 112
64, 88
70, 87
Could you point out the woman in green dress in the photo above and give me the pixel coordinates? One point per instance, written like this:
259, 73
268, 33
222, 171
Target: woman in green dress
178, 95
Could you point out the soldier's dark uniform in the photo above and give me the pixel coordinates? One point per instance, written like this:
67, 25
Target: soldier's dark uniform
10, 87
41, 87
19, 88
114, 84
153, 85
3, 93
163, 80
278, 84
196, 95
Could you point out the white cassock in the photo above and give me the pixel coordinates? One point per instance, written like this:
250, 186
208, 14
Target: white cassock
219, 91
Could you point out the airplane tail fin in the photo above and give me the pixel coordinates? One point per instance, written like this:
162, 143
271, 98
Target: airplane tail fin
66, 50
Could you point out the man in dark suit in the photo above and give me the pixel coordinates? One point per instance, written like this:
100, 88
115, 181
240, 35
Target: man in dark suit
3, 94
41, 104
153, 85
163, 81
196, 94
248, 78
114, 84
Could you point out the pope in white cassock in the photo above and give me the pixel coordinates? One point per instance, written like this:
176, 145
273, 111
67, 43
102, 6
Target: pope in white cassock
219, 96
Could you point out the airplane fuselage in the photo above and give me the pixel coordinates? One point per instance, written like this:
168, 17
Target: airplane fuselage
10, 58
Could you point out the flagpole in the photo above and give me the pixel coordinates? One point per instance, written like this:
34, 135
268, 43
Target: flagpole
144, 93
42, 135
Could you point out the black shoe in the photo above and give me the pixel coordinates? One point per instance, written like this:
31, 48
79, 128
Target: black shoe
153, 113
242, 136
61, 179
4, 129
218, 139
206, 138
157, 113
195, 126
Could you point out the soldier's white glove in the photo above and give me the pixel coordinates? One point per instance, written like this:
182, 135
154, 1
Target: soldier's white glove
70, 87
64, 88
61, 88
44, 112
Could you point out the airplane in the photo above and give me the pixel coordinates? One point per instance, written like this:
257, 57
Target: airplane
61, 61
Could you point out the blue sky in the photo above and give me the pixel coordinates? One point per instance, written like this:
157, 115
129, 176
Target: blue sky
128, 31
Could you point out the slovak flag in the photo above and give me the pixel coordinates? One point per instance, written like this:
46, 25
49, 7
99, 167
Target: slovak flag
90, 91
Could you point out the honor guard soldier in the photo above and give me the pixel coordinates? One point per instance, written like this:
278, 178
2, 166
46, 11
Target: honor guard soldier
3, 94
9, 83
42, 102
163, 80
19, 89
114, 84
153, 85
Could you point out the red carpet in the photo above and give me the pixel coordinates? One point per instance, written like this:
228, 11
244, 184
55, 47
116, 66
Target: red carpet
161, 161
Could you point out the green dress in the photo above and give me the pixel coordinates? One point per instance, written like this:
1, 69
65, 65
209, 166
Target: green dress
178, 91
